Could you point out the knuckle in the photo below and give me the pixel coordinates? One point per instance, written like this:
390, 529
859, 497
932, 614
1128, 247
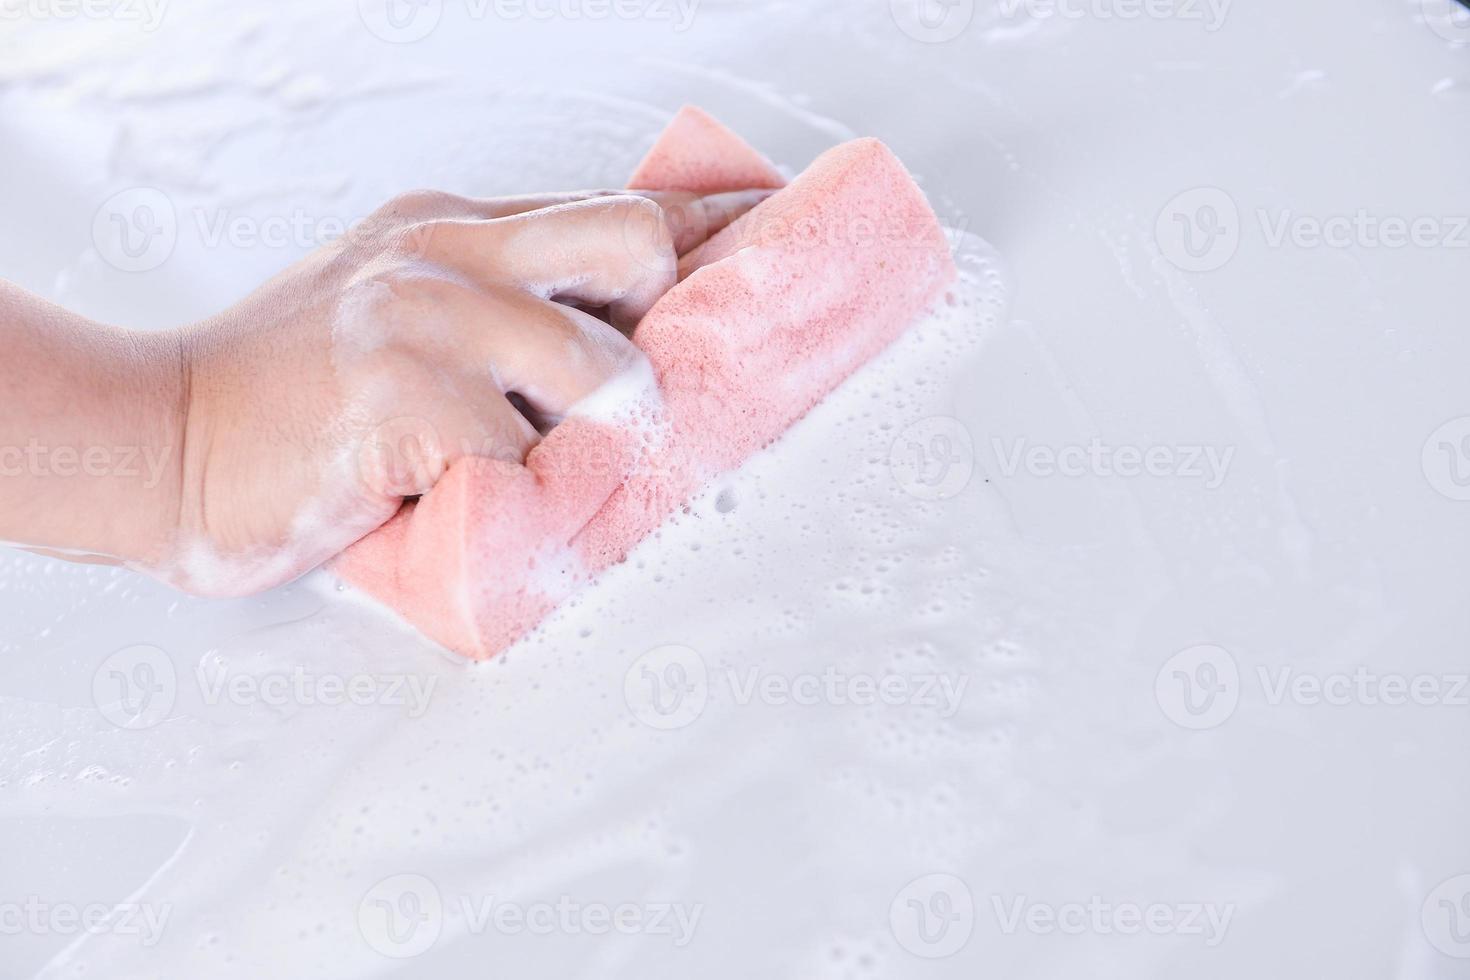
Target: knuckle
633, 205
417, 205
647, 221
422, 239
385, 298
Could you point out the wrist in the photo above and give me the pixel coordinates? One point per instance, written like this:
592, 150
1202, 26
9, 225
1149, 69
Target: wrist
132, 477
161, 369
91, 434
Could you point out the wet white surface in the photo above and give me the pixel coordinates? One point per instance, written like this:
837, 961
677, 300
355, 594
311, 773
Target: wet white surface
1197, 215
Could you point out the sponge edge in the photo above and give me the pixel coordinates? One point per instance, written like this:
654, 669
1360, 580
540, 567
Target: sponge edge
696, 153
775, 311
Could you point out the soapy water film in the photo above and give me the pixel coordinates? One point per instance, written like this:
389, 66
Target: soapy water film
291, 782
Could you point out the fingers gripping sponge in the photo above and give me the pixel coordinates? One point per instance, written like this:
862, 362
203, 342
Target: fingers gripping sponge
772, 314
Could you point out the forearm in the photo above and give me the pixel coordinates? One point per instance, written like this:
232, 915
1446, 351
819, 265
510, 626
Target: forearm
91, 424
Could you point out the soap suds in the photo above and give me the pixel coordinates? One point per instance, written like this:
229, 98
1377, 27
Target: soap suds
630, 399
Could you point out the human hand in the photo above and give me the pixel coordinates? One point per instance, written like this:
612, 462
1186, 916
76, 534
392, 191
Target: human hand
441, 327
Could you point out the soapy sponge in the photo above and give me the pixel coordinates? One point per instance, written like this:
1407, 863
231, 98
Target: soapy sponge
773, 313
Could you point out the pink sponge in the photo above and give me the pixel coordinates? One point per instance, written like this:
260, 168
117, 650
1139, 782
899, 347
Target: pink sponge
698, 154
775, 311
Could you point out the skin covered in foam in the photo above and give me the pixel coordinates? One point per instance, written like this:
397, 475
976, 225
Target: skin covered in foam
773, 313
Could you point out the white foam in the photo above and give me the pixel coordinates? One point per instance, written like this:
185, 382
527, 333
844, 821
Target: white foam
630, 398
